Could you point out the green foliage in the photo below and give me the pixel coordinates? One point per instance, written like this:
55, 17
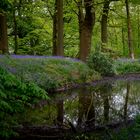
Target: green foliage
136, 128
135, 1
14, 96
19, 86
127, 66
34, 21
5, 5
51, 72
128, 133
102, 64
34, 33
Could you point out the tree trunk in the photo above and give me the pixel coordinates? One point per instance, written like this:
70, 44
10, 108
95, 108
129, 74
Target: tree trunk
126, 101
54, 52
15, 31
104, 22
123, 40
3, 34
60, 112
138, 45
58, 29
130, 43
86, 23
86, 109
106, 91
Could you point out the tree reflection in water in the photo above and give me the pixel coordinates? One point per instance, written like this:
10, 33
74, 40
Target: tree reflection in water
90, 106
86, 108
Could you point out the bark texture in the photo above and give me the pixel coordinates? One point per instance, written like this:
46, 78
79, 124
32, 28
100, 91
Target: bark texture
3, 34
104, 21
86, 18
15, 31
58, 43
130, 42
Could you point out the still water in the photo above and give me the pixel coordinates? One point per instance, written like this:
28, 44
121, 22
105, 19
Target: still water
88, 106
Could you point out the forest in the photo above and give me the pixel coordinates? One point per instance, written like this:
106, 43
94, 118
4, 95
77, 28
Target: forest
70, 28
70, 69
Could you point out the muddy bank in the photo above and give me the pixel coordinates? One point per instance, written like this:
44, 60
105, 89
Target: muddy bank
128, 77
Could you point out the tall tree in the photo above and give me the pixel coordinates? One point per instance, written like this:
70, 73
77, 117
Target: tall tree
3, 34
15, 27
4, 6
104, 21
130, 42
86, 18
58, 48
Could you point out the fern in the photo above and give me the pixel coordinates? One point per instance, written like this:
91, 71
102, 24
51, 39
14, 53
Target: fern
14, 96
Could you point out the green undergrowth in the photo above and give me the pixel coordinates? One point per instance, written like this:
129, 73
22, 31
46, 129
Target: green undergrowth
25, 81
15, 95
129, 132
107, 66
124, 67
49, 73
102, 64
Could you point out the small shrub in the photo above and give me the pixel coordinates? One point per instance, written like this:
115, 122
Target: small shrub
102, 64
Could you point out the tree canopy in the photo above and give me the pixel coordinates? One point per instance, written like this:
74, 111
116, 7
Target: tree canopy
31, 27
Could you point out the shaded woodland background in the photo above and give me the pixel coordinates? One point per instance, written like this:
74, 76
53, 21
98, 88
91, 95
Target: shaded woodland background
71, 28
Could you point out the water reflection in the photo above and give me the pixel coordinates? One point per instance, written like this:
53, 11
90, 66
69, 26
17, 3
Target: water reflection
86, 108
90, 106
60, 112
126, 101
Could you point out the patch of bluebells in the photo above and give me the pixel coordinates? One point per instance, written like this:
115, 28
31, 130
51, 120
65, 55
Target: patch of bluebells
12, 70
38, 56
45, 71
7, 67
35, 56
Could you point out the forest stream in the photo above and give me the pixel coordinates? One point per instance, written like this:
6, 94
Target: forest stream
89, 108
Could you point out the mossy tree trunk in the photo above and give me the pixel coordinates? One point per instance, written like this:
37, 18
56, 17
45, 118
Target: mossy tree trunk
130, 42
86, 18
104, 22
58, 44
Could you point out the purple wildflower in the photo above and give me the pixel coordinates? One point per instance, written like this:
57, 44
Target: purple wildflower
38, 56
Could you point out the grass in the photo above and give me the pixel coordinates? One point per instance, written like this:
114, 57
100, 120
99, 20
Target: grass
49, 72
124, 67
